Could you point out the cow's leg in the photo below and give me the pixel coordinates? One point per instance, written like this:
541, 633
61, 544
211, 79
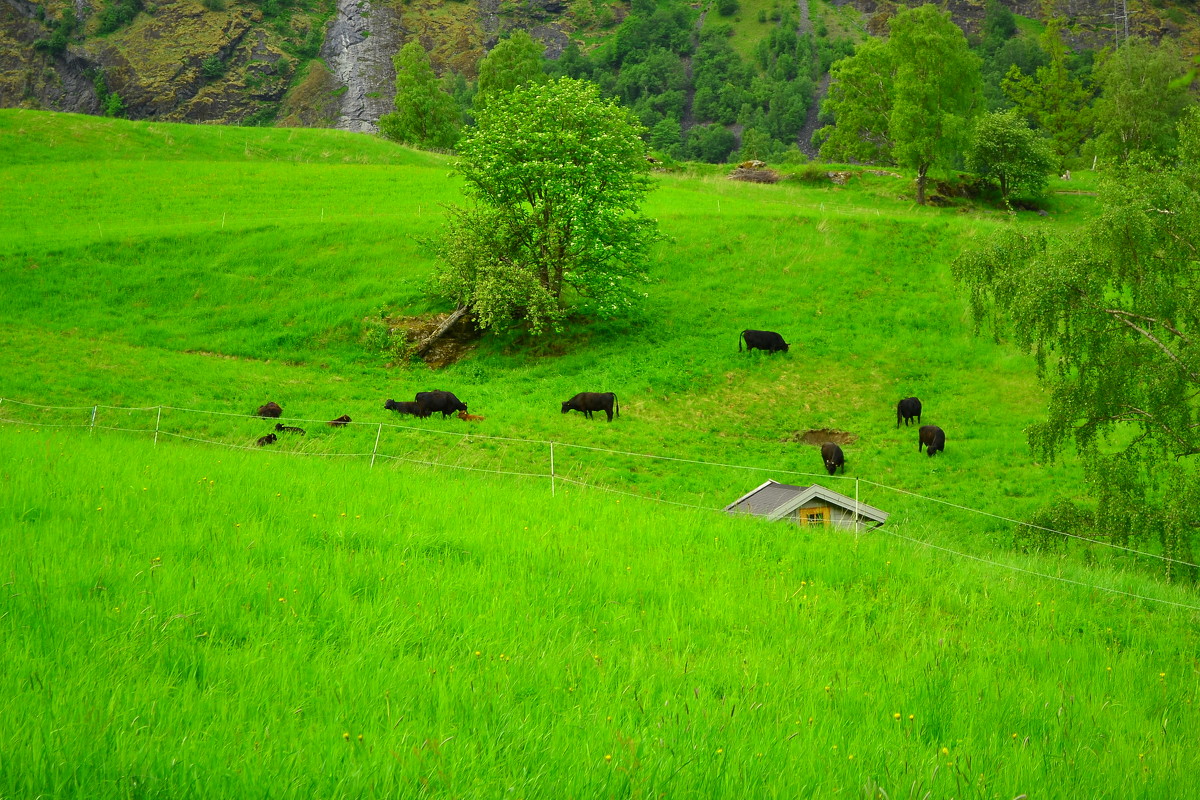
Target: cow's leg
609, 412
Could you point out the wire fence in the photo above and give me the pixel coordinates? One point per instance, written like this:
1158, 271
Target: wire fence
558, 463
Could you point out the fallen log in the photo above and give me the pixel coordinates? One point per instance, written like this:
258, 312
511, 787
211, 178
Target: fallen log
446, 325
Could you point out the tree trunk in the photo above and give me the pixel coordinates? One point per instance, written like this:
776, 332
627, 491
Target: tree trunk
441, 330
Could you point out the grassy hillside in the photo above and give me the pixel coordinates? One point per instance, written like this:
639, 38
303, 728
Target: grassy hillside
188, 620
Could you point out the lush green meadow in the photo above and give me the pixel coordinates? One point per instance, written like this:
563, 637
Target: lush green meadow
199, 617
183, 622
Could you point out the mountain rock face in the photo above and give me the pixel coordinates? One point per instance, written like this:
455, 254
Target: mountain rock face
359, 45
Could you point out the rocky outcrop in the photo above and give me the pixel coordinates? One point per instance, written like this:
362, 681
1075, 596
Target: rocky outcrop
359, 45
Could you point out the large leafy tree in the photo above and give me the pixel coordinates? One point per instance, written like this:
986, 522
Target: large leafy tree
425, 115
909, 99
1005, 151
937, 90
1140, 105
1112, 315
1055, 101
555, 174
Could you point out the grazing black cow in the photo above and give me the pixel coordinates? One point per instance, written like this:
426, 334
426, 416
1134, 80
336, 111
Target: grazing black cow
932, 438
340, 422
833, 457
587, 402
279, 426
407, 407
266, 440
908, 408
269, 410
444, 402
762, 340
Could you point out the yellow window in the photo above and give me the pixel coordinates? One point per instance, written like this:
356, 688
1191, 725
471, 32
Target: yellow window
814, 516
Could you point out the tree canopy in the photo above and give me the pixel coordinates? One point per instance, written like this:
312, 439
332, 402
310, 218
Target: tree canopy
1139, 106
425, 116
1005, 151
513, 62
555, 174
1111, 314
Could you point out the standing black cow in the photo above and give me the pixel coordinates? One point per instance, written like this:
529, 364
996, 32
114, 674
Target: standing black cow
407, 407
908, 408
587, 402
833, 457
932, 438
763, 340
444, 402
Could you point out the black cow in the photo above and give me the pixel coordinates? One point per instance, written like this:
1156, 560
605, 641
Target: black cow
832, 454
266, 440
407, 407
932, 438
763, 340
279, 426
444, 402
340, 422
908, 408
269, 410
587, 402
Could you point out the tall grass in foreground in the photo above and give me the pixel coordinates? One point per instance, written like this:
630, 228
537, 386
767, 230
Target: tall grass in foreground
191, 622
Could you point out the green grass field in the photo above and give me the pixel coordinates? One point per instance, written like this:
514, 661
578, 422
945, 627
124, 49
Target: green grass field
190, 619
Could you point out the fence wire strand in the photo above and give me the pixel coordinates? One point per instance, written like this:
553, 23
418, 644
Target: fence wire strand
599, 487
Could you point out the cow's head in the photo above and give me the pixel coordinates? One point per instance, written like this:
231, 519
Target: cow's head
785, 347
830, 466
390, 404
566, 406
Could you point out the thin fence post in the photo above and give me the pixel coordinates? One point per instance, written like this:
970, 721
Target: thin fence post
157, 424
92, 427
856, 517
375, 449
552, 469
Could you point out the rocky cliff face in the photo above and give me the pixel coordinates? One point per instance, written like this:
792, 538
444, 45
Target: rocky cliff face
359, 45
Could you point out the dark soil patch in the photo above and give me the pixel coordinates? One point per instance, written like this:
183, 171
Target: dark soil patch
820, 437
454, 344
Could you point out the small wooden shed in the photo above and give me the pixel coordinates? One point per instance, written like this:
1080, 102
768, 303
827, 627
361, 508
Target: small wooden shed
807, 505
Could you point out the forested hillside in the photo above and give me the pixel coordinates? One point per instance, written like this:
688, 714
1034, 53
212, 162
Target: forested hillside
707, 78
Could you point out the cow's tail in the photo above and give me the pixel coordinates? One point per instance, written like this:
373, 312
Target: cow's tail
616, 404
741, 336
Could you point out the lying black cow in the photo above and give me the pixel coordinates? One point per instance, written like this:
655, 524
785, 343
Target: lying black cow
833, 457
762, 340
263, 441
340, 422
587, 402
408, 407
279, 426
906, 409
269, 410
444, 402
932, 438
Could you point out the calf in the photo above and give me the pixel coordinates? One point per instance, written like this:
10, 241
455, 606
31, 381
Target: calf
587, 402
908, 408
465, 417
444, 402
833, 457
279, 426
269, 410
407, 407
932, 438
340, 422
762, 340
266, 440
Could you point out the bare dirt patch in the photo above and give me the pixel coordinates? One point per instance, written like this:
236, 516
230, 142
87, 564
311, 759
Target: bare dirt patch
820, 436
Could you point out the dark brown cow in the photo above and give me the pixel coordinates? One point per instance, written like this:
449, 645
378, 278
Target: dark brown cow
908, 408
279, 426
833, 457
269, 410
266, 440
932, 438
340, 422
587, 402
